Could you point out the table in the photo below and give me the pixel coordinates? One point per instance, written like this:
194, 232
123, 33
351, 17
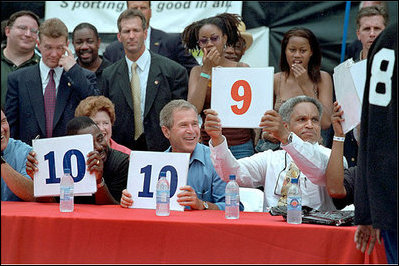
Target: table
38, 233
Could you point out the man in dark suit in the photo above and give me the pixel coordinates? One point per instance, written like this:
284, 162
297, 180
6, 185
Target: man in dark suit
160, 42
41, 99
137, 106
354, 49
371, 21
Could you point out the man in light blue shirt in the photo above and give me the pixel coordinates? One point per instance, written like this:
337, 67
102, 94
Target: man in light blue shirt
204, 189
16, 185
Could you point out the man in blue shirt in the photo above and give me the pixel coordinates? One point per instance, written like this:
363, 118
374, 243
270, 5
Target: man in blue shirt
204, 189
16, 185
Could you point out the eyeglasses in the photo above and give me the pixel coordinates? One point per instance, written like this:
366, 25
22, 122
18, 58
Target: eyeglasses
204, 41
25, 29
281, 178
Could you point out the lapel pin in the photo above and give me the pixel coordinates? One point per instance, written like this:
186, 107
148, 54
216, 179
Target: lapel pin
156, 82
69, 84
156, 43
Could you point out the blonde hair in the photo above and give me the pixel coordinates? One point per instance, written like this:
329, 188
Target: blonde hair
53, 28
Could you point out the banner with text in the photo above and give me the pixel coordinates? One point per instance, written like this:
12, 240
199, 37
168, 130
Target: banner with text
169, 16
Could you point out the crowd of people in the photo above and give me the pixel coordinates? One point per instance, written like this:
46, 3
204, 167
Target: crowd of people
147, 92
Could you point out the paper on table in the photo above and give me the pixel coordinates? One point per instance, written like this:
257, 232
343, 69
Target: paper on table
347, 95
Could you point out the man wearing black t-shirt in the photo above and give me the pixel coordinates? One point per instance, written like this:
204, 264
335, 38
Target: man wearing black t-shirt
376, 194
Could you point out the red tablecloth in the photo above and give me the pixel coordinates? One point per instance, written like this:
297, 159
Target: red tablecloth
39, 233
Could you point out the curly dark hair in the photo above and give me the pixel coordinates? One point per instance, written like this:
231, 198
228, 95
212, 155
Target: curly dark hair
226, 22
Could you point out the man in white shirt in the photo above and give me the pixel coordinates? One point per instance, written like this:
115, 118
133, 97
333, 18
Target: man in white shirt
297, 126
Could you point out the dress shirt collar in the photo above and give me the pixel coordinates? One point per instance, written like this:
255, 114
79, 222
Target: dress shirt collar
143, 60
198, 154
44, 70
147, 41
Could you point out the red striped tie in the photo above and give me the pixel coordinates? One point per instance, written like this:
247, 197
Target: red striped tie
49, 104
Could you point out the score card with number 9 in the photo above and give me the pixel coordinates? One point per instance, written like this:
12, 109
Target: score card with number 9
241, 95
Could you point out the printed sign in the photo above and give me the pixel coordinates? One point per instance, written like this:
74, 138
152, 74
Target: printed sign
241, 95
144, 170
169, 16
56, 154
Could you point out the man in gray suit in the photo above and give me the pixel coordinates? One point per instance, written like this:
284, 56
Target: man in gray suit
139, 85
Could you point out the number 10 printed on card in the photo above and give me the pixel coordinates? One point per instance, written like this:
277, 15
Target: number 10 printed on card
56, 154
241, 95
144, 170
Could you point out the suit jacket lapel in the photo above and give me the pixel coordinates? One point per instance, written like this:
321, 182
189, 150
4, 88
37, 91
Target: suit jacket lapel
124, 83
35, 91
155, 41
63, 93
153, 84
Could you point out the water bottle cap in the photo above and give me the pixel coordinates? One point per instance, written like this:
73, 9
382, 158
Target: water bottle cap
232, 177
162, 174
67, 171
294, 180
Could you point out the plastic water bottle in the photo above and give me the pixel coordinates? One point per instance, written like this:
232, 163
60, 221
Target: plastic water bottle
66, 191
232, 197
163, 196
294, 203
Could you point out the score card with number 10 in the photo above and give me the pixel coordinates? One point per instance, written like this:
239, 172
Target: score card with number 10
144, 170
56, 154
241, 95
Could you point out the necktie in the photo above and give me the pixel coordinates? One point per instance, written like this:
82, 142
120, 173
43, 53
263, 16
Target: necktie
49, 104
136, 93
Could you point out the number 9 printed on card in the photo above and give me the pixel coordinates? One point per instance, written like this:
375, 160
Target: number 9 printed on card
241, 95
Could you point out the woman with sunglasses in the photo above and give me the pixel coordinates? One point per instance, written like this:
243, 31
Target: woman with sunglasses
212, 36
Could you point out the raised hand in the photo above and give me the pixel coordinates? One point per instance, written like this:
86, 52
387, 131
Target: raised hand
213, 127
211, 58
95, 164
67, 61
300, 74
336, 120
272, 123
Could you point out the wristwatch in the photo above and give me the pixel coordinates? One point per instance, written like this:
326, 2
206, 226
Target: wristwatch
289, 139
205, 204
2, 160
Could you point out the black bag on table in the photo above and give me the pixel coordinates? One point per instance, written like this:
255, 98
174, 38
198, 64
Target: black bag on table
313, 216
